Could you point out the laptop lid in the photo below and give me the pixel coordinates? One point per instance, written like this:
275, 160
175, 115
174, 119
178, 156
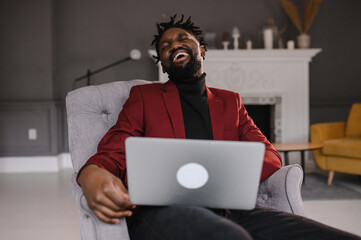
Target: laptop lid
209, 173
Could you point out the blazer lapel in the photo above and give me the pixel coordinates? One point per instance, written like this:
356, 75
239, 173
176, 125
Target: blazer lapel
216, 113
172, 102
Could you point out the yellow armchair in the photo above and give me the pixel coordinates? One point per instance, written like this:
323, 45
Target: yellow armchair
342, 144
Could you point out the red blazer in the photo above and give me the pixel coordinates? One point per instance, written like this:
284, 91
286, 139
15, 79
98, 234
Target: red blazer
154, 110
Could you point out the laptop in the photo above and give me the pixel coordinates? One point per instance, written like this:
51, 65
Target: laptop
208, 173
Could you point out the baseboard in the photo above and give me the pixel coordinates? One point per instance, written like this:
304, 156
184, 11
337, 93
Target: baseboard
35, 164
65, 161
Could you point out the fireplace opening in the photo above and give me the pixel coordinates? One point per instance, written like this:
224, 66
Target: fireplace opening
263, 117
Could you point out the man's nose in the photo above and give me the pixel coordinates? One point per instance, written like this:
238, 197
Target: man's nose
175, 45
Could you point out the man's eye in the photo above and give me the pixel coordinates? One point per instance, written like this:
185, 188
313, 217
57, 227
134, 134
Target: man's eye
183, 39
164, 46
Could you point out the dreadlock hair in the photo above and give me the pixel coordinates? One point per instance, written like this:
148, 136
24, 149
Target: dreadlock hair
187, 25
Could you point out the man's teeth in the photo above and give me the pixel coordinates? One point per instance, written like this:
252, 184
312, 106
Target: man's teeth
181, 54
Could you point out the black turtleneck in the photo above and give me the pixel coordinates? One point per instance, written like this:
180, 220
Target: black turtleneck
194, 102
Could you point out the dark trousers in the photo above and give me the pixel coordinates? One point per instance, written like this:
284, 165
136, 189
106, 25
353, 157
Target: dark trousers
190, 222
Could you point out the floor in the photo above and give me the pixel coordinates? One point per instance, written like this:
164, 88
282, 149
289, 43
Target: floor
37, 206
40, 206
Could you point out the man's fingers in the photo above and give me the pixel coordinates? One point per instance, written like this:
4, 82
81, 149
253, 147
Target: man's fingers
119, 197
119, 184
110, 214
110, 219
102, 199
104, 218
122, 202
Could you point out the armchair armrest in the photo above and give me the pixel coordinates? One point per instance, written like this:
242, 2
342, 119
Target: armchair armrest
282, 190
91, 227
321, 132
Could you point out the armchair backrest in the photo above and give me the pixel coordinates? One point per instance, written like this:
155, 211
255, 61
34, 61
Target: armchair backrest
353, 125
91, 112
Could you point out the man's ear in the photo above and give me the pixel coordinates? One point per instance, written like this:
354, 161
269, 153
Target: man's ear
203, 52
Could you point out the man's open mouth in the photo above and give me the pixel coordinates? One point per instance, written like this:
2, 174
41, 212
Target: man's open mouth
180, 56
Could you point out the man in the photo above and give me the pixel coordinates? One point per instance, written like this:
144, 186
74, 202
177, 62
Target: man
185, 108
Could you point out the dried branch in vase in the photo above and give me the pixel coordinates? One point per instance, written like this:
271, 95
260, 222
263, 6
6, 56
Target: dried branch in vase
292, 12
310, 10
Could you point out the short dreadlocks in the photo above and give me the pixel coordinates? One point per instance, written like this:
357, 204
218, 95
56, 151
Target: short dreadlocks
188, 25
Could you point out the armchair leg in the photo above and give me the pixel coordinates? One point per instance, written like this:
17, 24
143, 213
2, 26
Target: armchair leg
330, 177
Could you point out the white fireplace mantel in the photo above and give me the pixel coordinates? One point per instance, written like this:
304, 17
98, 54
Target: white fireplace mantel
258, 73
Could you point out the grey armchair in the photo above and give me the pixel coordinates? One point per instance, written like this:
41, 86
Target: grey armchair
92, 110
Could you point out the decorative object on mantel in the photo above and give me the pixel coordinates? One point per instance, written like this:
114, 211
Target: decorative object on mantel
277, 33
310, 10
248, 44
279, 37
268, 38
290, 44
225, 40
235, 35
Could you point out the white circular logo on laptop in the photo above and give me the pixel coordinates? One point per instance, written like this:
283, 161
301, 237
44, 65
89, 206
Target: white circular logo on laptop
192, 176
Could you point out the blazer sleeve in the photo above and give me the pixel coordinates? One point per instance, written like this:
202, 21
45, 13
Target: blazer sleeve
250, 132
111, 149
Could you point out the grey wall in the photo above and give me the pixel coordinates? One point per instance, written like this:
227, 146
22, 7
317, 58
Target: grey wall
46, 44
16, 118
336, 73
26, 50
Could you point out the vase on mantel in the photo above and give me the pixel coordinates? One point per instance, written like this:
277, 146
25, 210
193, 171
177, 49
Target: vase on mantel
304, 40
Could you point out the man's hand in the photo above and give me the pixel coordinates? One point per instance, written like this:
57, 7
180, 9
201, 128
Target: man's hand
106, 195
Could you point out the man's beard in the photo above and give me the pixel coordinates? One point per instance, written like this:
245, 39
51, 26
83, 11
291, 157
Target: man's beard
190, 70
